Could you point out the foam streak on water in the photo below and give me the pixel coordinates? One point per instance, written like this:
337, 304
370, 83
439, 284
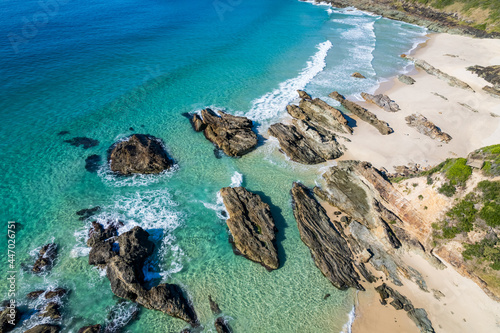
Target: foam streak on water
272, 104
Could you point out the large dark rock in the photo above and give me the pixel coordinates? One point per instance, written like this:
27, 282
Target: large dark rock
426, 127
124, 270
52, 310
9, 318
400, 302
222, 326
98, 233
363, 114
46, 258
329, 250
44, 328
251, 225
91, 329
320, 114
489, 73
232, 134
138, 154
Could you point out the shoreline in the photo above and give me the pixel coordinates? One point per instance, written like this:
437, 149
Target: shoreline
470, 130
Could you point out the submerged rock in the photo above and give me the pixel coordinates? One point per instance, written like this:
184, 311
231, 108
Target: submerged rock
44, 328
383, 101
214, 306
138, 154
363, 114
88, 212
329, 250
232, 134
46, 257
406, 79
92, 163
251, 225
426, 127
124, 270
86, 143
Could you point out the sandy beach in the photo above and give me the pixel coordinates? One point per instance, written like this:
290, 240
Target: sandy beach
463, 306
439, 102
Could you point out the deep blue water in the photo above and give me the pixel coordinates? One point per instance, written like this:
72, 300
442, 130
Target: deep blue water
97, 68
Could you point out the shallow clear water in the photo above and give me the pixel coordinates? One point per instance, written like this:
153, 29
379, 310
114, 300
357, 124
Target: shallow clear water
97, 68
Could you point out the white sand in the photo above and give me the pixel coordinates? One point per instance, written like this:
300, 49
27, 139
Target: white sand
468, 129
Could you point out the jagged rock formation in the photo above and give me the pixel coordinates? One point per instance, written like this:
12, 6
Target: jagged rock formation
380, 221
124, 271
230, 133
363, 114
431, 70
419, 14
58, 292
44, 328
426, 127
358, 75
7, 316
489, 73
52, 310
329, 250
492, 91
311, 139
91, 329
222, 326
400, 302
382, 101
139, 153
46, 257
251, 225
304, 144
406, 79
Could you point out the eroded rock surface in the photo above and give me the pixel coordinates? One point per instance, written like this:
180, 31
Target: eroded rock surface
46, 257
489, 73
426, 127
45, 328
363, 114
251, 225
408, 80
138, 154
329, 249
91, 329
382, 101
232, 134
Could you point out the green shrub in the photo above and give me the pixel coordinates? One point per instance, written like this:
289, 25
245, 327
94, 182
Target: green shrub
447, 189
490, 213
465, 214
457, 171
420, 197
490, 190
429, 180
485, 250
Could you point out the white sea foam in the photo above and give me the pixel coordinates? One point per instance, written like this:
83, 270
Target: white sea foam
272, 104
236, 179
154, 211
347, 328
218, 207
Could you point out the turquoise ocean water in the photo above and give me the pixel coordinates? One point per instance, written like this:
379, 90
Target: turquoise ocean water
97, 68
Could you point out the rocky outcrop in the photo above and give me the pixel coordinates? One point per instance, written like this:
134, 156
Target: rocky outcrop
251, 225
363, 114
52, 310
124, 269
232, 134
305, 144
304, 95
222, 326
426, 127
91, 329
138, 154
400, 302
382, 101
420, 14
431, 70
358, 75
45, 328
320, 114
489, 73
408, 80
9, 318
329, 250
46, 257
49, 294
492, 91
